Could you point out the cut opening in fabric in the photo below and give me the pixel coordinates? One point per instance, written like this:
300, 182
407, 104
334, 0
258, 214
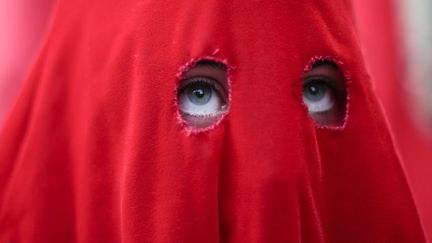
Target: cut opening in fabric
325, 93
203, 94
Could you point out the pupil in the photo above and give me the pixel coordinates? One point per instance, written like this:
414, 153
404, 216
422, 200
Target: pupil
199, 93
313, 89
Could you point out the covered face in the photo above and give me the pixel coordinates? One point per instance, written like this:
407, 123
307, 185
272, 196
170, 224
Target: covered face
201, 121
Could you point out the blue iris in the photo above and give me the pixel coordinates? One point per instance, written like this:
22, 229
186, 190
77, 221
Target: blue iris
315, 91
199, 93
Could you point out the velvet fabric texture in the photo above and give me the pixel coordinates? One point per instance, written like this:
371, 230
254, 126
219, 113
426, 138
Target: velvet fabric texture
94, 151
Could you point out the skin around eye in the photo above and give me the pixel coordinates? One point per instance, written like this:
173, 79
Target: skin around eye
203, 94
324, 94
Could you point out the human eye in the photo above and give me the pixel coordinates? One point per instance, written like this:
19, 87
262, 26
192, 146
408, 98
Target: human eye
324, 94
318, 94
202, 95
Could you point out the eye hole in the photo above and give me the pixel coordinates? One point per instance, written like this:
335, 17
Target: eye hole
324, 94
203, 94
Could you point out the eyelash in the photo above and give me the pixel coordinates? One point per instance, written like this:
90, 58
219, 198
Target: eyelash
206, 80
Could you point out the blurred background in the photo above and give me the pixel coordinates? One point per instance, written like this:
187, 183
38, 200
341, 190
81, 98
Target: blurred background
23, 25
396, 39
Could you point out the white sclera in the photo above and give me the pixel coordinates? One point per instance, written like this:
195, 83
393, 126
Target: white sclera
212, 107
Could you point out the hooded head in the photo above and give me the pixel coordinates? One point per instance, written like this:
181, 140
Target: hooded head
201, 121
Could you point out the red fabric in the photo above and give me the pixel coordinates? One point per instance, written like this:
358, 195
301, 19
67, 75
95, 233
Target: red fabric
383, 48
93, 151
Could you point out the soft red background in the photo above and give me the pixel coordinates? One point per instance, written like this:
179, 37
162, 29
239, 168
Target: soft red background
23, 24
383, 41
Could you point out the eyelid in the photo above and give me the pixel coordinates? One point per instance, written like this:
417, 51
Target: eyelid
204, 79
212, 115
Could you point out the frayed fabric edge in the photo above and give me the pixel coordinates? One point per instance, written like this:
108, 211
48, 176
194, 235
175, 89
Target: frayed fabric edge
347, 77
180, 76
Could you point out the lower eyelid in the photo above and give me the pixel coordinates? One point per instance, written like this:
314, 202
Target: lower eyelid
325, 112
210, 115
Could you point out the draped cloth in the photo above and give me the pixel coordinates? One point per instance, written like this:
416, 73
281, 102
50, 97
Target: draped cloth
94, 152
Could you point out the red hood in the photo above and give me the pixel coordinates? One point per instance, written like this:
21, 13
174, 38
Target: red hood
94, 152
